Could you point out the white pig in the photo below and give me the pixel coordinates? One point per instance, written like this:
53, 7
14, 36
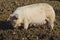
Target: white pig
37, 13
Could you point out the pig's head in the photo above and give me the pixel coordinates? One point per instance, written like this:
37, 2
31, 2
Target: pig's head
14, 20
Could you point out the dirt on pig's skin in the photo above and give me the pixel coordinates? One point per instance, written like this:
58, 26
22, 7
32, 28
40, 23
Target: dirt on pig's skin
7, 32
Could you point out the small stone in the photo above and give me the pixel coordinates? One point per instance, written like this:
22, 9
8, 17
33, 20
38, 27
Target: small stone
14, 32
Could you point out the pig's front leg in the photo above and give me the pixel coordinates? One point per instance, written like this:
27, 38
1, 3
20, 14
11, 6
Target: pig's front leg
26, 24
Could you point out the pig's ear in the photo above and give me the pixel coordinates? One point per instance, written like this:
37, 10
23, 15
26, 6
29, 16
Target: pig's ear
14, 18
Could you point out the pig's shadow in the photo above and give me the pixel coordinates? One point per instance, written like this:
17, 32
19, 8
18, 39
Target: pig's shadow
5, 25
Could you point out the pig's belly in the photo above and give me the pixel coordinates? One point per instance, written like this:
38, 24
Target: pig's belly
38, 20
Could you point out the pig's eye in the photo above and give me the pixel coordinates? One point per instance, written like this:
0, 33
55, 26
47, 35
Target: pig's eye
14, 18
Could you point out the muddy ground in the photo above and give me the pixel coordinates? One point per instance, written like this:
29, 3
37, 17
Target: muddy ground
7, 32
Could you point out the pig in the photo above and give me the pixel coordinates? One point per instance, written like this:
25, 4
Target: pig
39, 13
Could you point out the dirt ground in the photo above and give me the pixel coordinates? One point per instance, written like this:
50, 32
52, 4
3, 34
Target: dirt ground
7, 32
